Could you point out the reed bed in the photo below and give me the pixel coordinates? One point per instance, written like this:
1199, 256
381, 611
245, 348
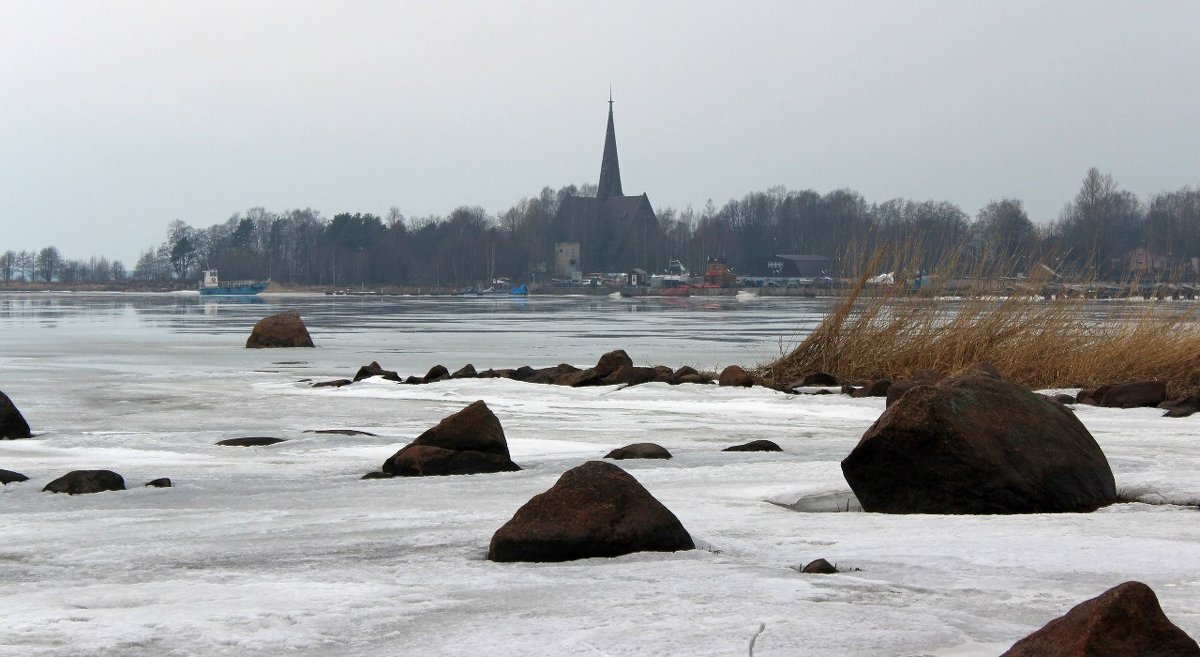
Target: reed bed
893, 333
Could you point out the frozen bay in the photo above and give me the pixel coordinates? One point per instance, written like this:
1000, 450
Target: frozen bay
283, 549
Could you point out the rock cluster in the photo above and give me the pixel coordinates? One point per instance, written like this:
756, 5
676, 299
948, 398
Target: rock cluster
613, 368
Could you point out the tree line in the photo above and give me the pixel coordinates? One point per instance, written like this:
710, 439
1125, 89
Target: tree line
1096, 233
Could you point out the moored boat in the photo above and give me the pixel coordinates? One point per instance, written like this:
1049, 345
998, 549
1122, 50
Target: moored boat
211, 286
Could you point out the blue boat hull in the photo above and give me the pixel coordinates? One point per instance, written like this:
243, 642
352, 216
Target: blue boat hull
241, 290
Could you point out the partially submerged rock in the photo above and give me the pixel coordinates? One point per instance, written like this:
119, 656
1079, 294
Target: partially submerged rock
465, 372
250, 441
9, 477
1182, 407
639, 451
755, 446
336, 383
82, 482
630, 375
161, 482
1124, 621
340, 432
470, 441
877, 388
284, 329
975, 444
819, 567
612, 361
436, 373
375, 369
12, 423
594, 510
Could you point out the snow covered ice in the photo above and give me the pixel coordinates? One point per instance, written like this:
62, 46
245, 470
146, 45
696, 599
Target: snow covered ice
284, 550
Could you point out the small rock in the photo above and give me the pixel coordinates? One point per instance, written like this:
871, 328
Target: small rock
378, 474
735, 376
694, 379
9, 477
588, 377
874, 389
594, 510
82, 482
284, 329
12, 423
1124, 621
341, 432
551, 374
161, 482
755, 446
639, 451
372, 369
1064, 399
465, 372
250, 441
819, 567
1126, 395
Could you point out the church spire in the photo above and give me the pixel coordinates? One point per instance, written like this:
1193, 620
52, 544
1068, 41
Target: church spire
610, 170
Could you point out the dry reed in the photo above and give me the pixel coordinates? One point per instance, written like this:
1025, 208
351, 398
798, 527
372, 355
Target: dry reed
894, 332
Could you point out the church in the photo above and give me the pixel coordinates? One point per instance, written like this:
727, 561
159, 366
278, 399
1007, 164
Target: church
615, 232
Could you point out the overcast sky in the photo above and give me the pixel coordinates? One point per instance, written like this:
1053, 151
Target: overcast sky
118, 117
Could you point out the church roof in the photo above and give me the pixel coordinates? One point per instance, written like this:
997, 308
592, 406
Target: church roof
610, 169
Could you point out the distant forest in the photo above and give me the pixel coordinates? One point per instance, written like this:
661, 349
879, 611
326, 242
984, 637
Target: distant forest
1104, 230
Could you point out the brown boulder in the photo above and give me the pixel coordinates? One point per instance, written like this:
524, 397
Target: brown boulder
552, 374
612, 361
465, 372
336, 383
588, 377
284, 329
873, 389
819, 567
12, 423
594, 510
1133, 395
974, 444
630, 376
897, 390
250, 441
755, 446
822, 379
639, 451
735, 376
521, 373
373, 369
470, 441
82, 482
436, 373
1182, 407
1124, 621
429, 461
693, 378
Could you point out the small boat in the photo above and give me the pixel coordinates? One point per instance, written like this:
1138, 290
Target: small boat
211, 286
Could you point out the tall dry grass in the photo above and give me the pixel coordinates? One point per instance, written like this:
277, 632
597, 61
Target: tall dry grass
893, 332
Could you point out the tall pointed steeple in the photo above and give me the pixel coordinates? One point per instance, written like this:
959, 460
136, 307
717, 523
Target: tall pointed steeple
610, 170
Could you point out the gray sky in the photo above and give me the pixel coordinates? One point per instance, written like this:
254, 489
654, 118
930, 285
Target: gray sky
118, 117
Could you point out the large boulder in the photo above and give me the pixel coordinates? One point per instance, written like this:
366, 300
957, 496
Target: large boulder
284, 329
612, 361
1124, 621
470, 441
975, 444
639, 451
594, 510
82, 482
12, 423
